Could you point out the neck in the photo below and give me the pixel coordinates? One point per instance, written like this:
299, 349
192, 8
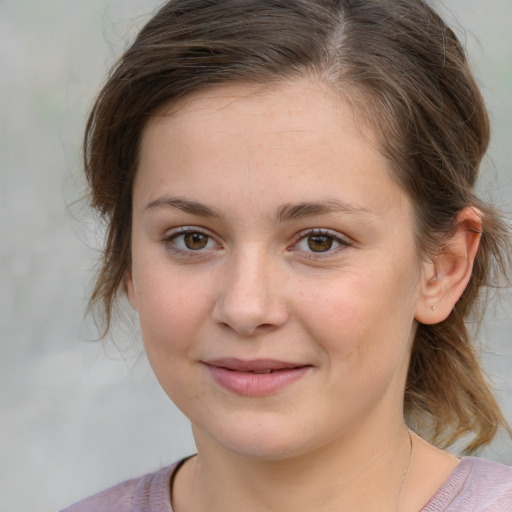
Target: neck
357, 472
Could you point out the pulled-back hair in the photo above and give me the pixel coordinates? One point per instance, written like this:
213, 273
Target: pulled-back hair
407, 77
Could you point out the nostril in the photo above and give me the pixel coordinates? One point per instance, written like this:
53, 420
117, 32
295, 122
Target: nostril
247, 313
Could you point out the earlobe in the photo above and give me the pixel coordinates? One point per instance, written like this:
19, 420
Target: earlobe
445, 277
130, 289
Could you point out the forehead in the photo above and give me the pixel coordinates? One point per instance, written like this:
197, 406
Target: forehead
252, 138
293, 110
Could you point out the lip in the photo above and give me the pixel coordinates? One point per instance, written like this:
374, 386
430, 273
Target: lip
257, 377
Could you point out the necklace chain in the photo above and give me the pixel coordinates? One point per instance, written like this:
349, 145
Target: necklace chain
404, 476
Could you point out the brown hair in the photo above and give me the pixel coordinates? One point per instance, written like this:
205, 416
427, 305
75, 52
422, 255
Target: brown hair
405, 73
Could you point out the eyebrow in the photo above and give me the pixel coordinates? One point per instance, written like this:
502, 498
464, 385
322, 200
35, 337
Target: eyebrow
296, 211
185, 205
286, 212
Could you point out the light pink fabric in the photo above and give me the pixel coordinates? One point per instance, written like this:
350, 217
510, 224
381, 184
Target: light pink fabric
476, 485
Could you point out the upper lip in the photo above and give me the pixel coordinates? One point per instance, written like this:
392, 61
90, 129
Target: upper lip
244, 365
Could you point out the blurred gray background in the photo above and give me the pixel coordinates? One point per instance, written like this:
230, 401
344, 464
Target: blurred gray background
77, 416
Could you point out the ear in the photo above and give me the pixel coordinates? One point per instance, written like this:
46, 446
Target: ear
446, 276
130, 288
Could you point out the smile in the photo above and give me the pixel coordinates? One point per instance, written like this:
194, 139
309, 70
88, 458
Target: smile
257, 377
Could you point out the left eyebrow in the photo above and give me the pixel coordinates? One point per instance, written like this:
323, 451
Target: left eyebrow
296, 211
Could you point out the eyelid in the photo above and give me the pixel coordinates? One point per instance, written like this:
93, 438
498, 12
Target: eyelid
344, 241
172, 234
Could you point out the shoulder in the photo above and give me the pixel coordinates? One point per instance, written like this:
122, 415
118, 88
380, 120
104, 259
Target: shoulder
144, 494
476, 484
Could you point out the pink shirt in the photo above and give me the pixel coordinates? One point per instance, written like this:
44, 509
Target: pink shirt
476, 485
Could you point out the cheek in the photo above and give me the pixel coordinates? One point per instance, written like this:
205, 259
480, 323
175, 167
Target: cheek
360, 318
169, 327
169, 312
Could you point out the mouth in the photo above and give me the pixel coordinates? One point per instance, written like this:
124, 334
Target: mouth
255, 365
256, 377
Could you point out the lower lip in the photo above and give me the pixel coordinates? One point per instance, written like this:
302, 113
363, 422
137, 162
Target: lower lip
256, 384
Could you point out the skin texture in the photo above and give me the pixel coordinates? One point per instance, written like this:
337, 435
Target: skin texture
300, 250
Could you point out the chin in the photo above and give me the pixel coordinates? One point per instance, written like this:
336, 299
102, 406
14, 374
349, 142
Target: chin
263, 450
258, 439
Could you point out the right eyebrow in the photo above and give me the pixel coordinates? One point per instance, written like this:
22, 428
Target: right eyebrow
185, 205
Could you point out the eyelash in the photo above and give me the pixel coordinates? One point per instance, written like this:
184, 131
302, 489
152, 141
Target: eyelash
310, 233
169, 242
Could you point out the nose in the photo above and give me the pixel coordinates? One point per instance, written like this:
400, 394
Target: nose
250, 298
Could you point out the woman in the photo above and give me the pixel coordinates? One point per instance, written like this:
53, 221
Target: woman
288, 190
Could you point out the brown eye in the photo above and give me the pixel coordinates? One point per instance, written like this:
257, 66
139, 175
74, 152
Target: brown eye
195, 241
320, 243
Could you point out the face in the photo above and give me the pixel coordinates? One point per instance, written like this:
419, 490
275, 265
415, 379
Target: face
274, 269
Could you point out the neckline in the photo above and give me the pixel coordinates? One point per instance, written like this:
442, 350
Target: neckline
439, 498
174, 468
442, 496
